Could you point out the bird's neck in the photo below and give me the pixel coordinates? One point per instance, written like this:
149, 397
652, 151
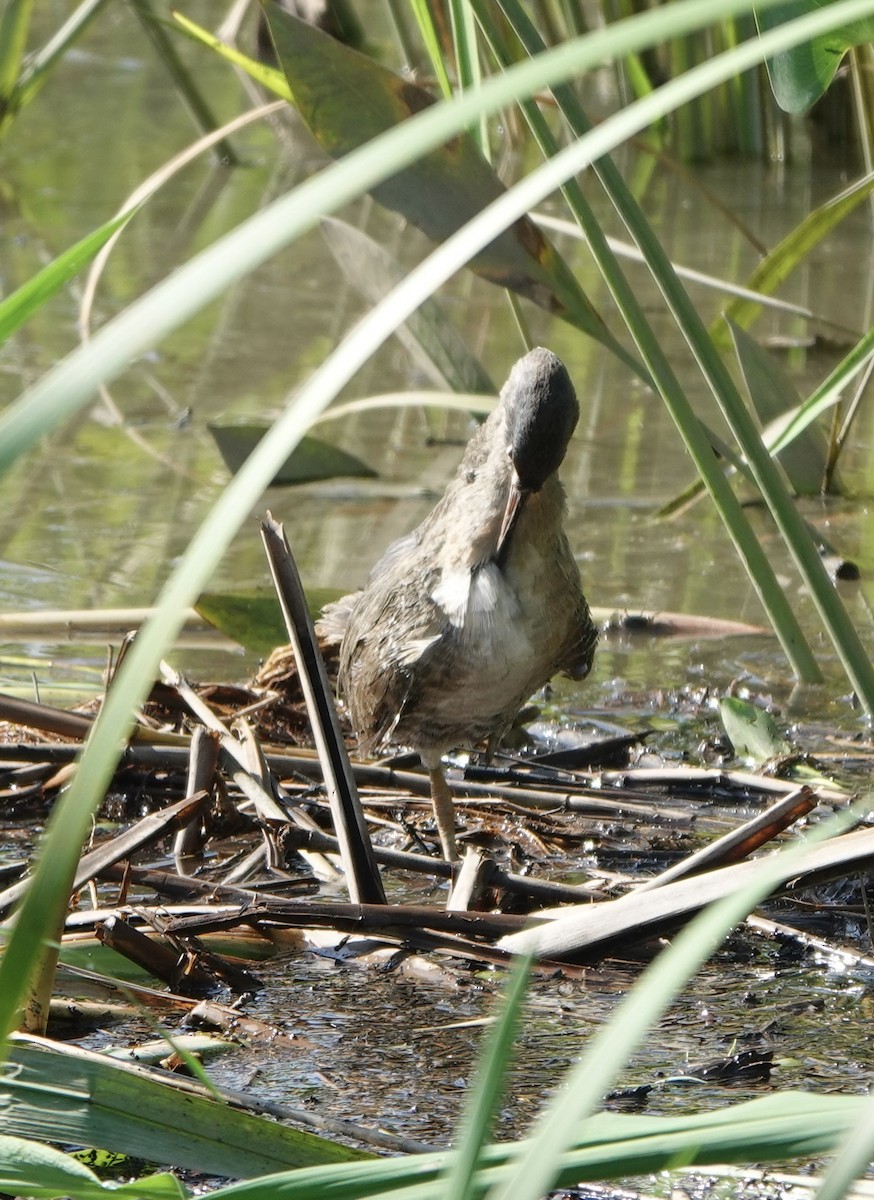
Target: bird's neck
472, 587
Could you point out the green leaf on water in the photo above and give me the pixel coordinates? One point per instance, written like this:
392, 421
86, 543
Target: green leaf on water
751, 730
254, 619
347, 99
311, 460
801, 75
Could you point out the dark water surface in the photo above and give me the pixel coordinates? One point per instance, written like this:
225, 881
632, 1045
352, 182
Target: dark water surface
97, 515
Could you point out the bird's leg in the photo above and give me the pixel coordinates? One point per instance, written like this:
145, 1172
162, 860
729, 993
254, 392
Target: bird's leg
444, 811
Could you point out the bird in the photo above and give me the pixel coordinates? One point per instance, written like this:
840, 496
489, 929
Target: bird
464, 618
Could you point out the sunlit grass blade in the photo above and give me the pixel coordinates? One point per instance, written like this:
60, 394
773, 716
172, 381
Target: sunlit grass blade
486, 1092
16, 308
269, 77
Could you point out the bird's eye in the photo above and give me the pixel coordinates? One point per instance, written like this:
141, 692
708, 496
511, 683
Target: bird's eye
470, 476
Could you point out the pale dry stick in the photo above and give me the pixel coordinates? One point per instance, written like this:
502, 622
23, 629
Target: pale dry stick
714, 776
583, 929
845, 955
739, 843
237, 764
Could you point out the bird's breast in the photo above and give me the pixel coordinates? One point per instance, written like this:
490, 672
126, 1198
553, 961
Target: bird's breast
486, 619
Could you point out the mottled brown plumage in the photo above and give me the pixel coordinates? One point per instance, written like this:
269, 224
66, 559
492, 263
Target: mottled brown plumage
482, 604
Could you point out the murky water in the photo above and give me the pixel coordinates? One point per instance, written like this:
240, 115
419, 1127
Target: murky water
97, 515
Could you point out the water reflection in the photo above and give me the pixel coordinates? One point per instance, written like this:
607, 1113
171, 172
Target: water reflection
90, 519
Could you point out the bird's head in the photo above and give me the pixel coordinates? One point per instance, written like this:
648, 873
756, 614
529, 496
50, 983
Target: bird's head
541, 412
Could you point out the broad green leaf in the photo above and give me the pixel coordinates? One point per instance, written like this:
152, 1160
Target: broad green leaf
31, 1169
429, 335
751, 730
22, 303
253, 619
801, 75
91, 1101
793, 250
347, 99
311, 460
775, 398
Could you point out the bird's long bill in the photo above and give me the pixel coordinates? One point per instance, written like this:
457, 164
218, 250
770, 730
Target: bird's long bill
515, 503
